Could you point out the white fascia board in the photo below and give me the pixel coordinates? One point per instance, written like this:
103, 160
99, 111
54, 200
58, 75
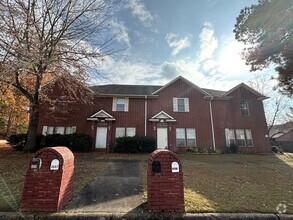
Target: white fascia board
92, 119
155, 120
162, 112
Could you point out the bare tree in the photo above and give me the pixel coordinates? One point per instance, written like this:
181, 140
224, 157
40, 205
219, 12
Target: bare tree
278, 104
55, 38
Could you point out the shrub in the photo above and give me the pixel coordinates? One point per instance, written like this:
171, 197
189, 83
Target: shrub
136, 144
201, 150
212, 151
275, 149
186, 149
233, 148
17, 139
75, 142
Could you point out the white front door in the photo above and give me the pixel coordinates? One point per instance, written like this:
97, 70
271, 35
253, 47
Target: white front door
101, 137
162, 138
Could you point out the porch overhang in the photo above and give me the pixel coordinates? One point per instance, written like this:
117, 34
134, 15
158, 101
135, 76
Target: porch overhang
162, 117
101, 116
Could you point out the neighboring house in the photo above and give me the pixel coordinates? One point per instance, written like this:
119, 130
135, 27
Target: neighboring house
282, 135
178, 114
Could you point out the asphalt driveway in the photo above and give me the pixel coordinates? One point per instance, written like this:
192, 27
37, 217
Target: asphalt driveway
116, 190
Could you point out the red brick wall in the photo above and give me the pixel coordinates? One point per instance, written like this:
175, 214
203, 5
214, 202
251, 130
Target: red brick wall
198, 116
46, 190
226, 115
165, 189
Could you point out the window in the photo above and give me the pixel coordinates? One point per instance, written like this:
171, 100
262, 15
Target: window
185, 137
230, 136
180, 104
70, 130
121, 131
244, 107
248, 137
120, 104
243, 137
190, 134
240, 138
180, 137
130, 132
58, 130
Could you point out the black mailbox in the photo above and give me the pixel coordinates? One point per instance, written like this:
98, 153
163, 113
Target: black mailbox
156, 167
36, 163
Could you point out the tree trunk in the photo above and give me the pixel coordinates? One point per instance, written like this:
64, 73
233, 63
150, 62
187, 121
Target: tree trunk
30, 144
8, 124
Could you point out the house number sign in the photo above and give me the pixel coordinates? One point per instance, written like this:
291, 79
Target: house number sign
55, 164
175, 167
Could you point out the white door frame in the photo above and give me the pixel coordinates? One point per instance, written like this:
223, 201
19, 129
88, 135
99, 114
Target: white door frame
162, 138
101, 140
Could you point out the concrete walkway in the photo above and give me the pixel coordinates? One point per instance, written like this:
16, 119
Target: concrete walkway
116, 190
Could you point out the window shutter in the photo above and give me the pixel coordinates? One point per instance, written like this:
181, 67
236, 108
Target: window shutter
126, 104
186, 102
44, 132
114, 104
175, 106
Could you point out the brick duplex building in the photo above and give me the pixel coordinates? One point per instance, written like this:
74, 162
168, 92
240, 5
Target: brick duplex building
178, 114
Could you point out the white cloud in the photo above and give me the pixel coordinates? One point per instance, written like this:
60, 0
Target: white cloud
131, 72
208, 42
120, 31
177, 44
229, 59
139, 11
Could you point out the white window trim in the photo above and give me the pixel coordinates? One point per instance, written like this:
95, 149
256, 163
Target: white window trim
185, 136
126, 104
46, 131
246, 108
235, 138
175, 104
126, 131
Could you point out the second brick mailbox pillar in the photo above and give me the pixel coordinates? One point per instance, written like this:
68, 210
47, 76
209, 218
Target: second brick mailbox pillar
165, 182
47, 185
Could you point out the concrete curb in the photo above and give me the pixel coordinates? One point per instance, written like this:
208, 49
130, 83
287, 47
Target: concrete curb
175, 216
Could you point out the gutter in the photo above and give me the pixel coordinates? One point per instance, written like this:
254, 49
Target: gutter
212, 124
145, 114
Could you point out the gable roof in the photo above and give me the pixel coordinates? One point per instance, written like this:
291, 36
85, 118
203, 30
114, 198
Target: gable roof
186, 81
214, 92
162, 115
125, 89
261, 96
102, 115
153, 90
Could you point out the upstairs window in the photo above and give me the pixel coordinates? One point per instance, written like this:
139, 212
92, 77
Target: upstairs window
120, 104
180, 104
244, 107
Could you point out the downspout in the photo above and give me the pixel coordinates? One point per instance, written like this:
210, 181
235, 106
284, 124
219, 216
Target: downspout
212, 124
145, 115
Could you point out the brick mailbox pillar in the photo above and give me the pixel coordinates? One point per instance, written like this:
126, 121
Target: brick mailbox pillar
165, 182
47, 185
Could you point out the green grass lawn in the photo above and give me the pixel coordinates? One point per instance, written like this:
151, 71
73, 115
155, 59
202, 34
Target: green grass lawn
213, 183
237, 183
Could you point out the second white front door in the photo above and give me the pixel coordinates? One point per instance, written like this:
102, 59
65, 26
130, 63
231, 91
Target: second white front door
101, 137
162, 138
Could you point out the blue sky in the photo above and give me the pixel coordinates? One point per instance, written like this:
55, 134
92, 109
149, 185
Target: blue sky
168, 38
